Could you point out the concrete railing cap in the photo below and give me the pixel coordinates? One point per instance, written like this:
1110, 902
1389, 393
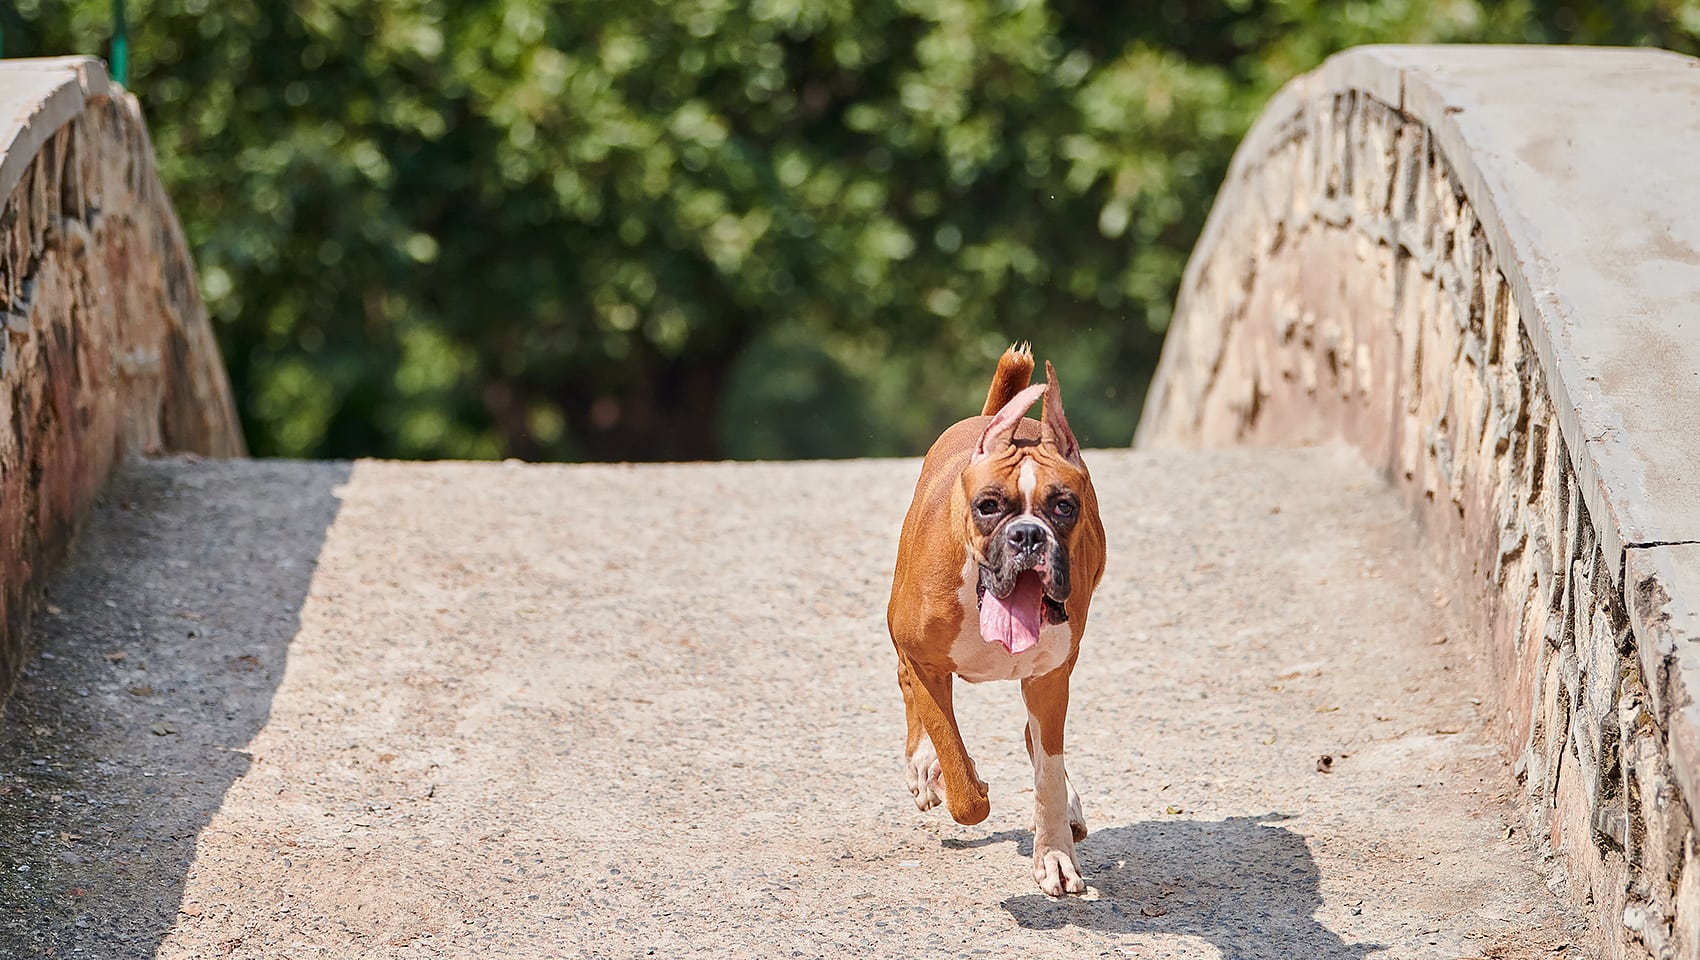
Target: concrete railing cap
1580, 163
37, 97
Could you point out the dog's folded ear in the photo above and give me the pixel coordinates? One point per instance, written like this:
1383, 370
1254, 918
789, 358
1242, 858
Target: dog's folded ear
1001, 430
1053, 424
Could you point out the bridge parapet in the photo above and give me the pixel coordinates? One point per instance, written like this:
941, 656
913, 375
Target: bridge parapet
1481, 266
105, 347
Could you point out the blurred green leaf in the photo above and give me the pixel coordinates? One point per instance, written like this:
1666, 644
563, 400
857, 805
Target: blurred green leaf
692, 228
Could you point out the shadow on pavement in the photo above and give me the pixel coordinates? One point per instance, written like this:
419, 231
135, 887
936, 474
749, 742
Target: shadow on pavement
1248, 888
157, 655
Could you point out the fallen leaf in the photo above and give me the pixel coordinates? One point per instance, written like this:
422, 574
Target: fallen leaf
1172, 810
1326, 709
1153, 910
115, 655
162, 729
1325, 764
141, 690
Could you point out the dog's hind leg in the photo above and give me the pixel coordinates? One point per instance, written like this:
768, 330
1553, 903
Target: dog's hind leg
920, 761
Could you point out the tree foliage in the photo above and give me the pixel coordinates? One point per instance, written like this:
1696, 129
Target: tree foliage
691, 228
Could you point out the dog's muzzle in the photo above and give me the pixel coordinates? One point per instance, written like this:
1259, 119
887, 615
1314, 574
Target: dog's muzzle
1024, 544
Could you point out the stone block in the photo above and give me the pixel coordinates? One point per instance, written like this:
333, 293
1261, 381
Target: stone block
106, 351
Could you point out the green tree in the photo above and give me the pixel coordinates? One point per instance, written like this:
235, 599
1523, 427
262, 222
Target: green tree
635, 229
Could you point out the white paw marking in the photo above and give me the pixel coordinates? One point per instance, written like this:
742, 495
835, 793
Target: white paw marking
1057, 872
924, 775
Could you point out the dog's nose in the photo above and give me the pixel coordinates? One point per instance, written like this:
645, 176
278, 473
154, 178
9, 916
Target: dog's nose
1025, 537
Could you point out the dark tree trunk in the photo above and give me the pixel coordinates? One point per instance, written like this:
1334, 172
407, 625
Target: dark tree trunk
667, 409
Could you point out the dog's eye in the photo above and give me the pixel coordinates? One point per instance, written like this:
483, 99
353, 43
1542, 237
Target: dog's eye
1063, 509
989, 507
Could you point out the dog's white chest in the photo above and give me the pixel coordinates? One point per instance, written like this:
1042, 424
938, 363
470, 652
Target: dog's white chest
978, 660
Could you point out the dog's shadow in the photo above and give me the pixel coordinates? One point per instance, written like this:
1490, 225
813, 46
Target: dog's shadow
1248, 887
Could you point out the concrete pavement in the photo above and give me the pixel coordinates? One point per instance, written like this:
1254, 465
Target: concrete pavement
414, 710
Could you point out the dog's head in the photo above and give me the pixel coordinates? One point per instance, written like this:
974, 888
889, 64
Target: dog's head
1025, 502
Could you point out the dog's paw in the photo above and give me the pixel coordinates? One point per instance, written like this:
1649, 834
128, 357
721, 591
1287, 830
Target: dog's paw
925, 776
1057, 872
1076, 818
973, 809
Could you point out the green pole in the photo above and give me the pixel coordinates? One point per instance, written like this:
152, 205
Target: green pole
120, 43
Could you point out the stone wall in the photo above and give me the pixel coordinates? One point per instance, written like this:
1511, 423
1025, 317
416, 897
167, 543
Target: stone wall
1368, 274
105, 348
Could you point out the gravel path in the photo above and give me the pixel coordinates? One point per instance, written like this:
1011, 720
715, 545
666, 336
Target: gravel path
291, 710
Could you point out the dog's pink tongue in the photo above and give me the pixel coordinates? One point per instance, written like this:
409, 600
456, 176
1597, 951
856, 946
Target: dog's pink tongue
1014, 620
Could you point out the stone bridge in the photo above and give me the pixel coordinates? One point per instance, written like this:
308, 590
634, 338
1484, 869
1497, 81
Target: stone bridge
1405, 674
1481, 267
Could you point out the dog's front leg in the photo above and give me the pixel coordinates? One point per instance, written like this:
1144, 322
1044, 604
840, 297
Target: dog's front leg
1057, 820
935, 751
920, 761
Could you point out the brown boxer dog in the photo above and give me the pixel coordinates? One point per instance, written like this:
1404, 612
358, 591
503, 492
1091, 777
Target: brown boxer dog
999, 556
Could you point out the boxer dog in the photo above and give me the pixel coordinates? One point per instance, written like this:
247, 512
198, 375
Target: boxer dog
1000, 553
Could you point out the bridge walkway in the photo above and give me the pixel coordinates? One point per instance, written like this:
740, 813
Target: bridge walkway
284, 709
